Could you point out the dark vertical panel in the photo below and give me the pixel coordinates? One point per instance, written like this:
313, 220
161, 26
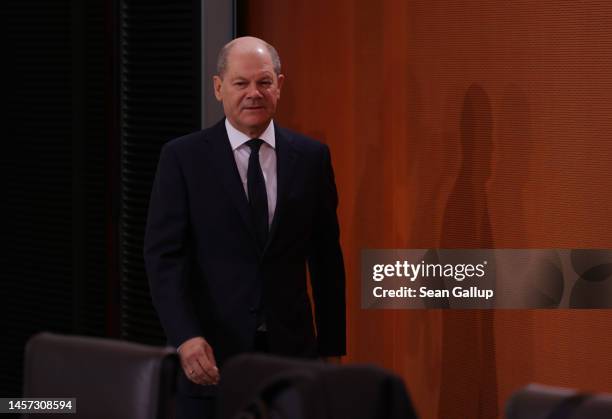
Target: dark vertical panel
217, 27
54, 261
37, 273
94, 207
160, 100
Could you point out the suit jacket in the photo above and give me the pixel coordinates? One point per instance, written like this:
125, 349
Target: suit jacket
208, 277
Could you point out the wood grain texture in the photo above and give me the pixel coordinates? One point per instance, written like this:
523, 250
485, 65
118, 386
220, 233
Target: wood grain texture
460, 124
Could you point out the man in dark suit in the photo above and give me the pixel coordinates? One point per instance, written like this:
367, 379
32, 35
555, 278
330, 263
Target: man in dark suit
237, 212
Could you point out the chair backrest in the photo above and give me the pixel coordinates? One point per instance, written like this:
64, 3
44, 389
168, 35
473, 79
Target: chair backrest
270, 387
109, 378
537, 401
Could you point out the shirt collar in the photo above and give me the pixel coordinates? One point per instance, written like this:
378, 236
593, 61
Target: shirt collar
238, 138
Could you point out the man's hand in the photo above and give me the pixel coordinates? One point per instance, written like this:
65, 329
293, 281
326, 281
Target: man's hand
332, 360
198, 361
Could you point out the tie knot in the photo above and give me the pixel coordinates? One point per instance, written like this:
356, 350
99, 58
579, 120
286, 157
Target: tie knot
255, 144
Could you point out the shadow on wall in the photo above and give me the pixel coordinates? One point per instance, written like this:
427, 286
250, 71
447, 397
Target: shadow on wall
466, 218
468, 385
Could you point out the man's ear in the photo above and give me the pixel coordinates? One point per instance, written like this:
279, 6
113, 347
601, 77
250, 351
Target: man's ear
280, 80
217, 82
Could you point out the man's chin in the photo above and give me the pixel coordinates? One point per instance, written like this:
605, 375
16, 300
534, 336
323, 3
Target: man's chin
254, 124
256, 121
255, 116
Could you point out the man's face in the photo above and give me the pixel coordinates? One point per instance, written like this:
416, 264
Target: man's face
249, 89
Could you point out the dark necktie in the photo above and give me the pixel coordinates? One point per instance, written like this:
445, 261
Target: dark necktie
258, 197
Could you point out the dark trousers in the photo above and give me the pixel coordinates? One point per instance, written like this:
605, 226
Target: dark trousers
204, 407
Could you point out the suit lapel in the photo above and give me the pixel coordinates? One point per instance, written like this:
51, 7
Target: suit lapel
223, 159
286, 156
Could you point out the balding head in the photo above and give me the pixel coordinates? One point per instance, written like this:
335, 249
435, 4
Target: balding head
249, 84
247, 44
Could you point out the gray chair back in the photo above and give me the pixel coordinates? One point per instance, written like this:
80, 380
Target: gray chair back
537, 401
109, 378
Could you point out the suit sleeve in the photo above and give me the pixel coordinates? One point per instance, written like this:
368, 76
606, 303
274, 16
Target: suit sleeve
166, 251
326, 267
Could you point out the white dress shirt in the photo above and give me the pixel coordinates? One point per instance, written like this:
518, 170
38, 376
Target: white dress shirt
267, 160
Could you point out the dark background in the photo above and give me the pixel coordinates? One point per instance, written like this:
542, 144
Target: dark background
94, 88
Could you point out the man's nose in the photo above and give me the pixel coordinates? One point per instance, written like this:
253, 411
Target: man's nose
254, 91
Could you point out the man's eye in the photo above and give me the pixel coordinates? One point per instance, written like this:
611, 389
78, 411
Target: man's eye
265, 83
240, 84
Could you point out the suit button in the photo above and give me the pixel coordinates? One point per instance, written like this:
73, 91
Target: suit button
252, 310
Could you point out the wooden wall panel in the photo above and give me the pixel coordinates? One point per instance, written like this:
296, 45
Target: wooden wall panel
460, 124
